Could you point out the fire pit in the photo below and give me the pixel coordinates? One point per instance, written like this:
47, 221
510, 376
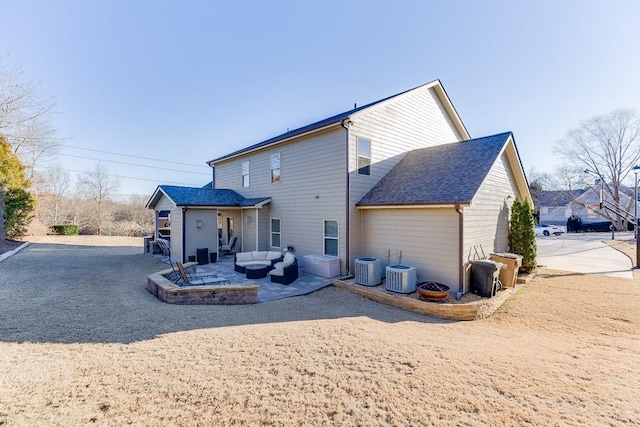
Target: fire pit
433, 291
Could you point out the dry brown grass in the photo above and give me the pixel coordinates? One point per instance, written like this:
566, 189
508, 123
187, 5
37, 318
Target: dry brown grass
563, 351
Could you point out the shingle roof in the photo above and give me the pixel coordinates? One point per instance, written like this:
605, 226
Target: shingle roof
444, 174
207, 196
317, 125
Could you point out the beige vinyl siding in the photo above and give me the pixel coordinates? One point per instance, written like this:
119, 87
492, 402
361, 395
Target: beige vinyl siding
176, 234
415, 120
264, 227
204, 237
427, 238
249, 229
486, 221
175, 243
312, 188
164, 204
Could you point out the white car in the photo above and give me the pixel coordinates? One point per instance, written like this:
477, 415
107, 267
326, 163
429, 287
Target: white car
547, 230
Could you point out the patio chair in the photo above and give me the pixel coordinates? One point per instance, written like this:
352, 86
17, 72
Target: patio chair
164, 246
229, 247
193, 279
285, 272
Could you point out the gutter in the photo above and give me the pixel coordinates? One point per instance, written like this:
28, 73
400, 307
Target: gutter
460, 253
345, 124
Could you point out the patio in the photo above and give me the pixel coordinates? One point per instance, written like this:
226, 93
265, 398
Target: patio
268, 291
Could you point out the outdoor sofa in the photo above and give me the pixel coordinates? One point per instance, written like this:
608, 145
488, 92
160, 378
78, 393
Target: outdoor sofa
265, 258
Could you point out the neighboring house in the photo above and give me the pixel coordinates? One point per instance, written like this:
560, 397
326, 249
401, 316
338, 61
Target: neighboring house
554, 206
587, 207
557, 206
398, 179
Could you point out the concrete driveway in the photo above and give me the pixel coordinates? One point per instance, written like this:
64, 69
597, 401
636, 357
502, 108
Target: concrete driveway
584, 253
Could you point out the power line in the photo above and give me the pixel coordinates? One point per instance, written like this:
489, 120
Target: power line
132, 164
135, 157
140, 179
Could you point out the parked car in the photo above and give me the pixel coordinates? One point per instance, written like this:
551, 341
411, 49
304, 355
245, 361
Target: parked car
547, 230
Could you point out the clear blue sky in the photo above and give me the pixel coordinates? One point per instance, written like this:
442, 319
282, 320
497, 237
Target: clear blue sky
193, 80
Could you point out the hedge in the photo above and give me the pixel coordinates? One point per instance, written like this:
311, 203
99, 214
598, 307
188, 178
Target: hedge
65, 229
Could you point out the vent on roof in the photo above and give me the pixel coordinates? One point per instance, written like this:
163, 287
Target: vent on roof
401, 278
368, 271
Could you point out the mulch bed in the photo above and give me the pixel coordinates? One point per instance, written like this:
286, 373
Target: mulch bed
8, 245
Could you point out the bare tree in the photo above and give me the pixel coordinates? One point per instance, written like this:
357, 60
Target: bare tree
606, 146
98, 185
52, 191
25, 116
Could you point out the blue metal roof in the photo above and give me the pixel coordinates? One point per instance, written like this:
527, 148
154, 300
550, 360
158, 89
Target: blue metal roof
444, 174
313, 126
208, 196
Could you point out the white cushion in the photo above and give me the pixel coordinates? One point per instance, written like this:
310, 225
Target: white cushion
278, 271
273, 255
259, 255
289, 258
244, 256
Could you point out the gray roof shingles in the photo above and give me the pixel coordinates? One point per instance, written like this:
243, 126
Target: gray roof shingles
444, 174
207, 196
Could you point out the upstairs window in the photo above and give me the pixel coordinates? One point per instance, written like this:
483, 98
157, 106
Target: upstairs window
275, 232
275, 168
245, 174
364, 156
331, 237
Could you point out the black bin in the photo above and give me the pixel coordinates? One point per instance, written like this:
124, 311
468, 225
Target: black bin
202, 256
484, 277
213, 257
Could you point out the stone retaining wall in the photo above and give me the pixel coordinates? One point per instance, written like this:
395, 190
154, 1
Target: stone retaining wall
169, 292
452, 311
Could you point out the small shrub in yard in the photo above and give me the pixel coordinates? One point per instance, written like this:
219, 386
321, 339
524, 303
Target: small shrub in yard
522, 235
65, 230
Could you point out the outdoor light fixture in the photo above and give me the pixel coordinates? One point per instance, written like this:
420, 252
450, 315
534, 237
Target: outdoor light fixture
199, 223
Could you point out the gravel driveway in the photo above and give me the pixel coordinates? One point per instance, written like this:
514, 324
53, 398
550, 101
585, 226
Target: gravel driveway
83, 343
66, 293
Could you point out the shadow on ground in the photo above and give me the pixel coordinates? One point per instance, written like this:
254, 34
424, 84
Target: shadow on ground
90, 294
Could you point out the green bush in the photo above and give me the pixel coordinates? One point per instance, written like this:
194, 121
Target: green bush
65, 230
522, 235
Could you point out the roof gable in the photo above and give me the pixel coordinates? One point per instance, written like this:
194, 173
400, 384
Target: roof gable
444, 174
339, 118
202, 196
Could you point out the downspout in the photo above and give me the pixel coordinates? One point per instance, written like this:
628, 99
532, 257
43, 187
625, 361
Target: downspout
460, 252
184, 231
345, 124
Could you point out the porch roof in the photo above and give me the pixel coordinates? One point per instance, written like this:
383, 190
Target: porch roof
441, 175
203, 197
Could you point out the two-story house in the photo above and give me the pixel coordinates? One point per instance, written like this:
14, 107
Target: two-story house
398, 179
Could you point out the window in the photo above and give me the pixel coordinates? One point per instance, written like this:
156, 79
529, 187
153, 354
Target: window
275, 168
364, 156
331, 237
245, 174
275, 232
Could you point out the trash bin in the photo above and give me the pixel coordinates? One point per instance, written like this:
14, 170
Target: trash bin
509, 271
213, 257
202, 256
192, 258
484, 277
147, 244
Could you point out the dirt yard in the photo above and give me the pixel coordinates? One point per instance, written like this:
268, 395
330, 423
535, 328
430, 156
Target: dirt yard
565, 350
